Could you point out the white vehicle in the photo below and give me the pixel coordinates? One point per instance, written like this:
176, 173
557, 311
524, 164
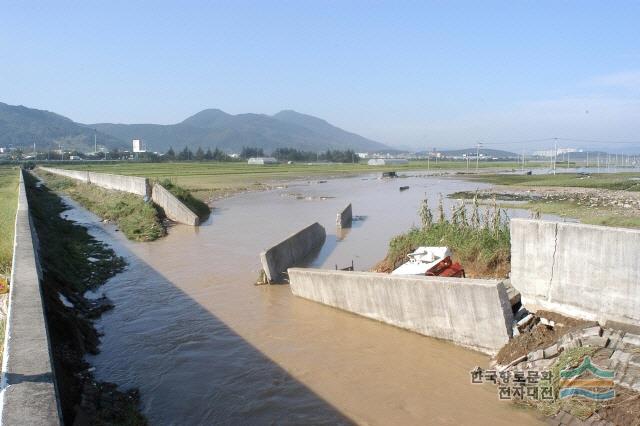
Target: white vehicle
421, 260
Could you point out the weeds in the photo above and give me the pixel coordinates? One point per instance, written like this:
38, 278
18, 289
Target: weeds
479, 240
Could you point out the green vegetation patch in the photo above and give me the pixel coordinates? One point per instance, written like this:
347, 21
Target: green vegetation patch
9, 179
479, 240
614, 181
197, 206
138, 220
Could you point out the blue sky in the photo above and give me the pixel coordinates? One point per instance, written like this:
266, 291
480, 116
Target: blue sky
444, 74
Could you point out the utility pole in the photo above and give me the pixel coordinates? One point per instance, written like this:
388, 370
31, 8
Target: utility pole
523, 161
478, 156
555, 154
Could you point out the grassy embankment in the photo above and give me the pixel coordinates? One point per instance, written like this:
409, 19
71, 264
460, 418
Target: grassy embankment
9, 179
73, 262
611, 199
479, 240
211, 180
138, 220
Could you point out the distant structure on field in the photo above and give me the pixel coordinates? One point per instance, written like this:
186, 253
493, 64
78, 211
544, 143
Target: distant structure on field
138, 146
551, 152
387, 161
262, 160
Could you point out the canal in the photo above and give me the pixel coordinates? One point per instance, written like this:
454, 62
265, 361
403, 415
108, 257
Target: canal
205, 345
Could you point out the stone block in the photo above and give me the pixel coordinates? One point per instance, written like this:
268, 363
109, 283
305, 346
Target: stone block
596, 341
551, 351
536, 355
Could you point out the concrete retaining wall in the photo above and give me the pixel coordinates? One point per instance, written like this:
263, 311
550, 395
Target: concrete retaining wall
579, 270
28, 388
469, 312
73, 174
133, 184
292, 251
345, 217
173, 208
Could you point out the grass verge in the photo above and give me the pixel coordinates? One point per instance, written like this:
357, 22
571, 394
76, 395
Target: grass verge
479, 241
613, 181
9, 178
139, 221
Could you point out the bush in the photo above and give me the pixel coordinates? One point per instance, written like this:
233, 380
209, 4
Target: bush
479, 241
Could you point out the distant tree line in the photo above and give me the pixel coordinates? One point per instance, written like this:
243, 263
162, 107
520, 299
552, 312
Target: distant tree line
334, 156
200, 155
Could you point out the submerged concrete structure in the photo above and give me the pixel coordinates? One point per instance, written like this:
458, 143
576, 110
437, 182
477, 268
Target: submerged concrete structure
292, 251
469, 312
173, 208
29, 395
345, 217
584, 271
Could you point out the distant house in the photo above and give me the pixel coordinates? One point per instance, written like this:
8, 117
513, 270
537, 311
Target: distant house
387, 161
262, 160
138, 145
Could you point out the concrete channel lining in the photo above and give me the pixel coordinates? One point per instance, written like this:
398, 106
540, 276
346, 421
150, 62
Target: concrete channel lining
345, 217
469, 312
584, 271
29, 394
292, 251
173, 208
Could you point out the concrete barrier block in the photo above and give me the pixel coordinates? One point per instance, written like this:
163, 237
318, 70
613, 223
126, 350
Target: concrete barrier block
469, 312
173, 208
345, 217
585, 271
292, 251
28, 387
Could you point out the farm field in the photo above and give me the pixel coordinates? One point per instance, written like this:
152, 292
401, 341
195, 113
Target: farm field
210, 180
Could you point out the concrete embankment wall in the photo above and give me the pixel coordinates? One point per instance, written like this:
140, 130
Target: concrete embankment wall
133, 184
290, 252
469, 312
73, 174
173, 208
579, 270
29, 393
345, 217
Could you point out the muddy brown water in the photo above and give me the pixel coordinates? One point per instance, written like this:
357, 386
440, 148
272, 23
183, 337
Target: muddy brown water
206, 346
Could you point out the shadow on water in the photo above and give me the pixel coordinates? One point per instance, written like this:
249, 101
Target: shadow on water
236, 384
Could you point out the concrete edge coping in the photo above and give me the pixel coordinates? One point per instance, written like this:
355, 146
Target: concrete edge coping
264, 252
25, 413
575, 225
418, 279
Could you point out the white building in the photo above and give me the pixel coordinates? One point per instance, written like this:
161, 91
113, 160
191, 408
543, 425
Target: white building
138, 146
387, 161
262, 160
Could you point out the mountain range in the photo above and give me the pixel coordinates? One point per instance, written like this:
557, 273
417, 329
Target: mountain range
22, 127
